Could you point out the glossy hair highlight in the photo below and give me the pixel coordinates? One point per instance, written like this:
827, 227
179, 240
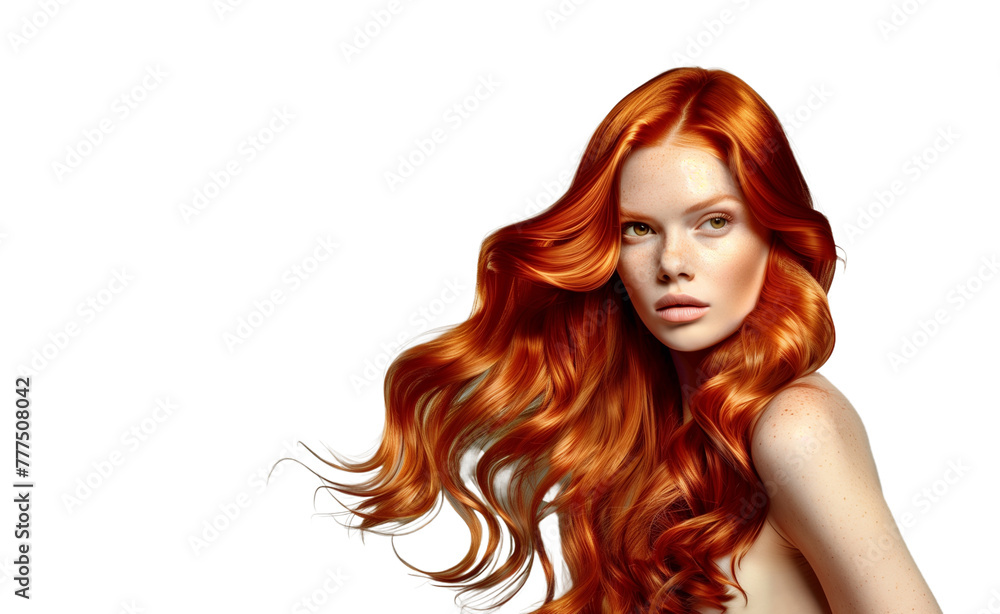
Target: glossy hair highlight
555, 381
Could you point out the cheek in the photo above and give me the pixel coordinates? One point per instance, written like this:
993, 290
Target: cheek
626, 280
628, 272
636, 266
746, 275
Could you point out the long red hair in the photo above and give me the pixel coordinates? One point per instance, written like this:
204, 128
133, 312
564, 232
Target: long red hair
554, 379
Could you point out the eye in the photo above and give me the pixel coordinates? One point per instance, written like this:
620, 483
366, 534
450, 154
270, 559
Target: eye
719, 221
641, 229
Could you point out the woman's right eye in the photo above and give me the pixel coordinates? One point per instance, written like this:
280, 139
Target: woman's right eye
640, 228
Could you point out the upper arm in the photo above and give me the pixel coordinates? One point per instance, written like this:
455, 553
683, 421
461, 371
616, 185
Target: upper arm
812, 454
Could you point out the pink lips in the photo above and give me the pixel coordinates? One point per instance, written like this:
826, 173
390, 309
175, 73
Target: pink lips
680, 308
678, 299
681, 313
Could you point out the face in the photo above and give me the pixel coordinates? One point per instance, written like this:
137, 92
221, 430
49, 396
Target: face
686, 230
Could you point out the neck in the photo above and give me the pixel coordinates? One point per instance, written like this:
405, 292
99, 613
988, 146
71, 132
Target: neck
688, 375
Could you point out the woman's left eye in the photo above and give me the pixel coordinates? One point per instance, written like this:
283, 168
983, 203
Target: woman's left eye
719, 221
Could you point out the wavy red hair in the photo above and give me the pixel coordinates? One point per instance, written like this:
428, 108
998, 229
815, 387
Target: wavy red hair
554, 379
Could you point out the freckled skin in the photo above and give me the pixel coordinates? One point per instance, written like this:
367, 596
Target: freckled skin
830, 506
719, 263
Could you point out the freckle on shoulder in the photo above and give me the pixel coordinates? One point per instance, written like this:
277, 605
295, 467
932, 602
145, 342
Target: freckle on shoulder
808, 392
808, 402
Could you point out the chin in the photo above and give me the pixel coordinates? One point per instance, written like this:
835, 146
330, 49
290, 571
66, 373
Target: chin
694, 342
689, 346
684, 342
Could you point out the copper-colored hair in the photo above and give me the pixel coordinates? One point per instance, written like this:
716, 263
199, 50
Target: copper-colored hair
556, 380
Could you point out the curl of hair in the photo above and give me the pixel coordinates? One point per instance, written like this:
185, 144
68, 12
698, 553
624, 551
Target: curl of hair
557, 383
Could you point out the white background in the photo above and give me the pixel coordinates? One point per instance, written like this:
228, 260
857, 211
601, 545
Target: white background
858, 101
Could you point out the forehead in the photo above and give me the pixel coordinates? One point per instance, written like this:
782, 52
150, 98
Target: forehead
669, 173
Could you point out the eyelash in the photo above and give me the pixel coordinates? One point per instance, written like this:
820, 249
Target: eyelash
724, 216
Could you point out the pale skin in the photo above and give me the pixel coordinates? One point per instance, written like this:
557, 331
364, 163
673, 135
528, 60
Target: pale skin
827, 507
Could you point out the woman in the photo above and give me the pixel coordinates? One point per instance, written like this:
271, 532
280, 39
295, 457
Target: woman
646, 350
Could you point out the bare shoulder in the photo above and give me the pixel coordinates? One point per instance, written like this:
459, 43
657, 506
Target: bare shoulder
806, 413
814, 389
810, 431
812, 454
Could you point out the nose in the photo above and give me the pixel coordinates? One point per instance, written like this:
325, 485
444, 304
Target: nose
675, 259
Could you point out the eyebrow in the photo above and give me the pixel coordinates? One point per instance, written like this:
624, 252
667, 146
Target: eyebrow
695, 207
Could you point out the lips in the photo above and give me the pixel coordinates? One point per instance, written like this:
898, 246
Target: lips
678, 300
681, 313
